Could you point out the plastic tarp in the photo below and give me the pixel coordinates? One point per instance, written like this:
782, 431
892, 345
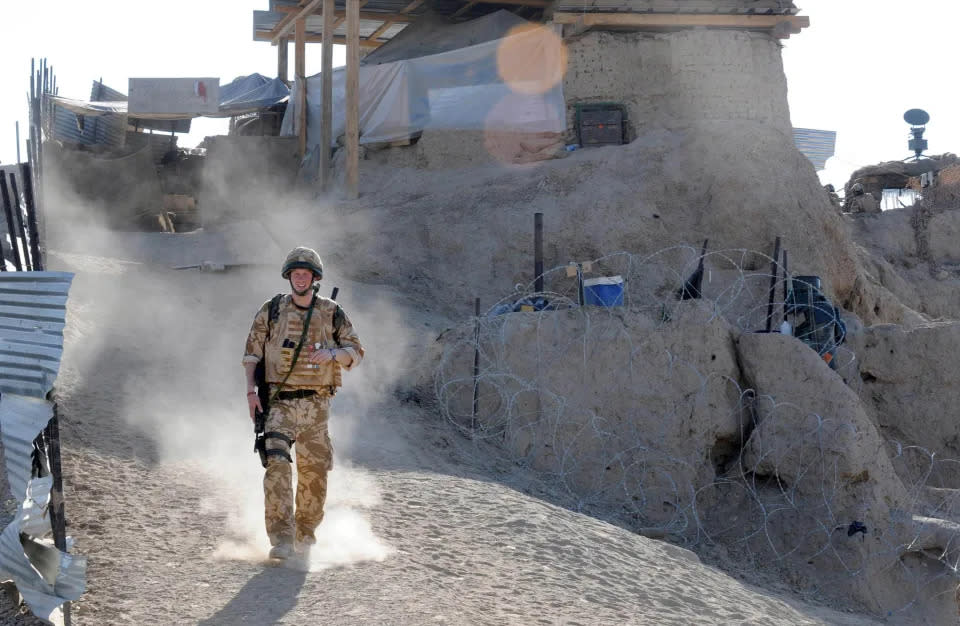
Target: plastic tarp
251, 93
433, 34
245, 94
510, 84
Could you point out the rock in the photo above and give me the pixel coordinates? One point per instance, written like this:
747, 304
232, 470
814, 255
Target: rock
812, 433
909, 388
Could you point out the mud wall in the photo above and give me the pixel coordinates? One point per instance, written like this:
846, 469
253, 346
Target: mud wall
669, 79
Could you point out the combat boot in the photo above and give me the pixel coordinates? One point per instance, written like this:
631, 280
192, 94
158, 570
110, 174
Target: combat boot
281, 551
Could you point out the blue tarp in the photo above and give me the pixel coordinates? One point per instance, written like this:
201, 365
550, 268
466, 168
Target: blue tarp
251, 93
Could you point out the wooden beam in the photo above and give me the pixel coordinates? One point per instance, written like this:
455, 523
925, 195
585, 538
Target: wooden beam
283, 49
540, 4
383, 28
410, 7
288, 21
465, 8
364, 15
326, 95
337, 39
353, 98
300, 71
674, 20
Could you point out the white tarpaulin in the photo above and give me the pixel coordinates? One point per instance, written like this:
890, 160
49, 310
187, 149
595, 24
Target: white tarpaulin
509, 84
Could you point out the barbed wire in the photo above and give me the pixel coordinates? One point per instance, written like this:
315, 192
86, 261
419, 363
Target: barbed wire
642, 409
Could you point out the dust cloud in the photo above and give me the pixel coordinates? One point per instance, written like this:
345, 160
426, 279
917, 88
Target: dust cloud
152, 365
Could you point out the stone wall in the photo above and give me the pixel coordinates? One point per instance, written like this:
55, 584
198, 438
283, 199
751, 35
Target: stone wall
667, 80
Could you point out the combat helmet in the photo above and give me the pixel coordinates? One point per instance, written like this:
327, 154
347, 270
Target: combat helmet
857, 189
302, 257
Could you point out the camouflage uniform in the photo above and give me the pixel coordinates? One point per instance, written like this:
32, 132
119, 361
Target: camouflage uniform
302, 419
865, 203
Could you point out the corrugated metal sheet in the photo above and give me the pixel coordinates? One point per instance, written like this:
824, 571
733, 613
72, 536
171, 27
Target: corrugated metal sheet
816, 145
32, 318
266, 21
21, 420
107, 130
385, 6
110, 130
45, 576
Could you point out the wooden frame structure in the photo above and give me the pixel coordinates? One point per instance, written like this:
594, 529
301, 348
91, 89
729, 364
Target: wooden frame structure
780, 24
295, 20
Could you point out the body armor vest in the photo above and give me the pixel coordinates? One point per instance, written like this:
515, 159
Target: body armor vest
284, 335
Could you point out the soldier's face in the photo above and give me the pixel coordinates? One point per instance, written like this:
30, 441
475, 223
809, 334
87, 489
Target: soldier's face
300, 280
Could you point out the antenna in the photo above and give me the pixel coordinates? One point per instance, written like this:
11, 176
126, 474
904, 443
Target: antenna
917, 118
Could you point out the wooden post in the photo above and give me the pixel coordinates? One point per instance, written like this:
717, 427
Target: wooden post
538, 252
774, 273
326, 94
353, 99
300, 69
282, 53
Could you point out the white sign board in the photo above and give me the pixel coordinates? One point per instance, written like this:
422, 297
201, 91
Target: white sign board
174, 96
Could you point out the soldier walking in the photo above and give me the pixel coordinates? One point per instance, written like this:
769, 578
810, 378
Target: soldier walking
304, 341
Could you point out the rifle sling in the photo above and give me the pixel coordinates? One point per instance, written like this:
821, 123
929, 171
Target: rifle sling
296, 351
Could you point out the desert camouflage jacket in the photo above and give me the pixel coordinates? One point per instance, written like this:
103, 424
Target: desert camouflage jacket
276, 342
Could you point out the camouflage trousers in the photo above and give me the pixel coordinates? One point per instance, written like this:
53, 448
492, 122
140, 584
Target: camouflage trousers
305, 421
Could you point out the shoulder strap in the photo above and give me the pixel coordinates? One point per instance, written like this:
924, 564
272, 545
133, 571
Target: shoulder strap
339, 317
274, 313
296, 351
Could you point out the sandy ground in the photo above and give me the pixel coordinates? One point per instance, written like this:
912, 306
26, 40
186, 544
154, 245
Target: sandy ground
163, 494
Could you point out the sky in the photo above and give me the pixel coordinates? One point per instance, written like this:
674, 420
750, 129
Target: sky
861, 64
85, 41
858, 67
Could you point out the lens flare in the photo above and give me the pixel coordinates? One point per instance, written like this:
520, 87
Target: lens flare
532, 59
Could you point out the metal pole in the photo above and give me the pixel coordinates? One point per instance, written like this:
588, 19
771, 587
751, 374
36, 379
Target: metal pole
31, 217
11, 227
786, 285
580, 298
538, 252
57, 518
18, 140
96, 120
38, 126
476, 364
20, 228
3, 260
774, 272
